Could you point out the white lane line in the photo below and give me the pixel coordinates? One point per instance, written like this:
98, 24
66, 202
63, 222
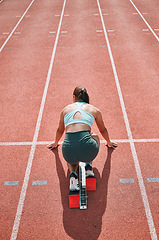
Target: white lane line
16, 143
132, 145
33, 146
145, 21
152, 140
15, 27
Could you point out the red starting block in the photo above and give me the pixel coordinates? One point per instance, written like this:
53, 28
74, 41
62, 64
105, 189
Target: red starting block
91, 183
74, 199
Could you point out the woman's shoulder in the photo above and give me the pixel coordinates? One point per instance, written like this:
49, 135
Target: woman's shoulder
92, 109
68, 108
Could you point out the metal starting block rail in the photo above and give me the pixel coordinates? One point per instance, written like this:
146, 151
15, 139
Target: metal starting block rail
83, 191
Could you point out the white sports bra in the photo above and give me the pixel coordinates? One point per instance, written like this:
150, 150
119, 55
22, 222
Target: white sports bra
86, 117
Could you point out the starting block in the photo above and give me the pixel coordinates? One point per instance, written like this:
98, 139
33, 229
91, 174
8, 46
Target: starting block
91, 183
78, 199
74, 199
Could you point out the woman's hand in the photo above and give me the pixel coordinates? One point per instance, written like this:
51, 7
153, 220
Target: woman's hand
112, 144
52, 146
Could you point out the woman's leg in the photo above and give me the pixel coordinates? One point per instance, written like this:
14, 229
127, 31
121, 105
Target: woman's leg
72, 167
74, 186
89, 171
95, 136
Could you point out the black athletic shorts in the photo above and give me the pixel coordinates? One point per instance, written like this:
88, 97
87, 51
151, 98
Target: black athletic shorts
79, 147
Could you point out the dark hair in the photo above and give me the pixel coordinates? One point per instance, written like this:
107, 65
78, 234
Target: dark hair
81, 95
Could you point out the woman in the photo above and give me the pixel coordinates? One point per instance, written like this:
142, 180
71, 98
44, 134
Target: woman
80, 144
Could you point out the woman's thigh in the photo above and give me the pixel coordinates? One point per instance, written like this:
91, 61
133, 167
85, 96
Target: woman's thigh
95, 136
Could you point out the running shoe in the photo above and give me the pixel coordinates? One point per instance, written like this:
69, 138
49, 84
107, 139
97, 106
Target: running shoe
74, 185
89, 171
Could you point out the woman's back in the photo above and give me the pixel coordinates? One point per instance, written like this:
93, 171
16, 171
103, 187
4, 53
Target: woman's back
79, 116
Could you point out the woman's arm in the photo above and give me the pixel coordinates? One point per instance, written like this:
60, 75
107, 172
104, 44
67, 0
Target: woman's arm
103, 130
59, 132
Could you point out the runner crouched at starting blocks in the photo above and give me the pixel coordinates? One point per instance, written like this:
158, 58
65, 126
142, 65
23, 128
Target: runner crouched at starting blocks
80, 145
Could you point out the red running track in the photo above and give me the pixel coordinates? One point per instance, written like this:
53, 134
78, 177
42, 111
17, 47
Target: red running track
47, 49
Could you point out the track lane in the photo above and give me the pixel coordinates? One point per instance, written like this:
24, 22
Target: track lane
133, 149
35, 137
151, 61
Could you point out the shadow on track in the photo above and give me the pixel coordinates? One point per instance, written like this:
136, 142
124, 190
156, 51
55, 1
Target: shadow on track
84, 224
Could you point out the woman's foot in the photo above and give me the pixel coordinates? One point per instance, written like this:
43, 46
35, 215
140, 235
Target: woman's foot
89, 171
74, 185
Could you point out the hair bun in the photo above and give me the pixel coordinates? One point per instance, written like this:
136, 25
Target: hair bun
80, 93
